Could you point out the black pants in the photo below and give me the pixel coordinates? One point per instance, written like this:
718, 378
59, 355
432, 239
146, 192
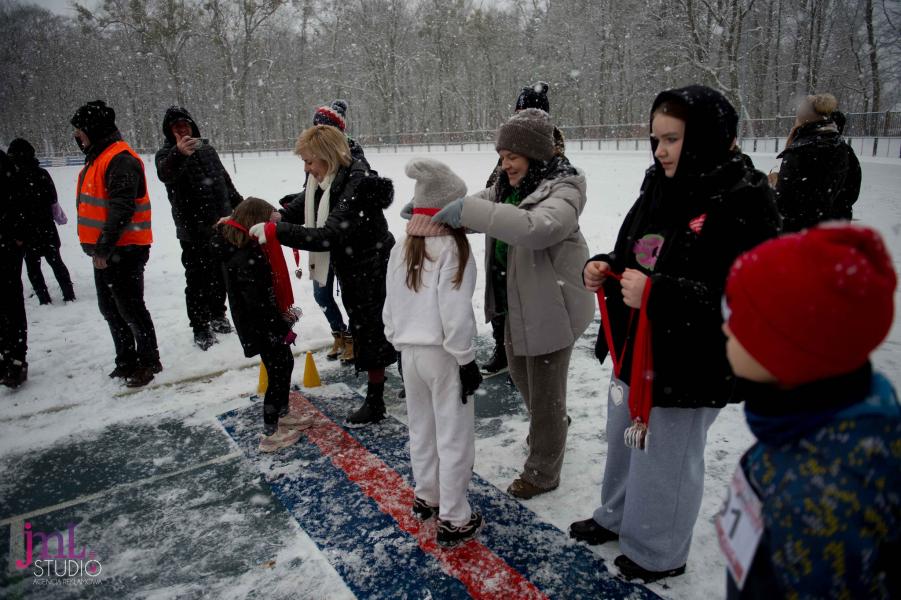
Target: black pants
279, 363
33, 257
204, 284
13, 323
120, 295
497, 330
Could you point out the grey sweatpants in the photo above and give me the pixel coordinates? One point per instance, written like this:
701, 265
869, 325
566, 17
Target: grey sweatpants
652, 498
542, 382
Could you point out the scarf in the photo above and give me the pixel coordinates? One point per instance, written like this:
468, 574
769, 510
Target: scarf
641, 387
420, 224
281, 282
319, 261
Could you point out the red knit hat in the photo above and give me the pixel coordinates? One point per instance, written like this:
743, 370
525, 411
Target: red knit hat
813, 305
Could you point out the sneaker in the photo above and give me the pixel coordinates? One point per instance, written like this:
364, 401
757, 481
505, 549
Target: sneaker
297, 422
630, 570
422, 510
591, 533
204, 338
122, 371
16, 375
451, 535
520, 488
141, 376
282, 438
221, 325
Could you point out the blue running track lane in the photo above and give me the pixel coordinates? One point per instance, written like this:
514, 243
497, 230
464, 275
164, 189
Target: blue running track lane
351, 491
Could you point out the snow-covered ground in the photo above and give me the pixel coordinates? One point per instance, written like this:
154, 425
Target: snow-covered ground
70, 351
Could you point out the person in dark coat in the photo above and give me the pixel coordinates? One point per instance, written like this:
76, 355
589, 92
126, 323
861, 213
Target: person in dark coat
342, 348
262, 326
699, 208
36, 193
819, 179
13, 323
355, 236
820, 490
200, 192
531, 96
114, 229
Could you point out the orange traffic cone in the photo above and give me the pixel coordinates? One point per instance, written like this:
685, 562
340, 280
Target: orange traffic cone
263, 385
310, 374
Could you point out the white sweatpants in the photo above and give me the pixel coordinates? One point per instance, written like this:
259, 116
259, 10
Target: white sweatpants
442, 434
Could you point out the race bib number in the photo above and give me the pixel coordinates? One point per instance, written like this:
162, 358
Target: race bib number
739, 527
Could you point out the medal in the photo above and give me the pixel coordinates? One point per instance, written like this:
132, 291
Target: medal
616, 393
298, 273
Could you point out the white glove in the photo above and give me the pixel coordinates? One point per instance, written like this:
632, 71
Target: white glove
258, 231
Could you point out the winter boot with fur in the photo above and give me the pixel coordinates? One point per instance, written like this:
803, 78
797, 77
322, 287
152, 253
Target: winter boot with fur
373, 409
347, 357
337, 346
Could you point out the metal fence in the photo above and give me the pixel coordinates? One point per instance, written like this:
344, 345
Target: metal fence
871, 134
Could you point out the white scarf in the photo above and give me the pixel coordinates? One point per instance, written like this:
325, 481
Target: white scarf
319, 261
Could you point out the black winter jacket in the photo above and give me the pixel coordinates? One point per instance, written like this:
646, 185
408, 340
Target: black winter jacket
356, 235
12, 217
34, 192
251, 296
199, 188
819, 179
684, 232
125, 183
688, 280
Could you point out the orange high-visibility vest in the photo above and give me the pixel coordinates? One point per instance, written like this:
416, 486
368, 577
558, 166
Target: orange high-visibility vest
93, 202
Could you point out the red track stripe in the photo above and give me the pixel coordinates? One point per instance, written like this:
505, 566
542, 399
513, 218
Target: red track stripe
484, 574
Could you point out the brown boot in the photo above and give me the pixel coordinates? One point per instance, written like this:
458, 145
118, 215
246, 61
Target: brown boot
347, 358
337, 346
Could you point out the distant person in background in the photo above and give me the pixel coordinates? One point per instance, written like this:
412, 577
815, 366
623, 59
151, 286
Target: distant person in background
114, 230
13, 323
200, 192
820, 176
532, 96
35, 192
296, 209
802, 315
356, 242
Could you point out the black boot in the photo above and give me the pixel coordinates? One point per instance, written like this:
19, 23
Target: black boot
373, 409
16, 375
498, 360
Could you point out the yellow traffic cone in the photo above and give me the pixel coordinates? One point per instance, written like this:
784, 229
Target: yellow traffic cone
264, 380
310, 374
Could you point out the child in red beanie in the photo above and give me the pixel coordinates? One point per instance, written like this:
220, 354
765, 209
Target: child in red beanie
814, 511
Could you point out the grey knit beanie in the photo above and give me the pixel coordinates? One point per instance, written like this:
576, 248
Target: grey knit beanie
529, 133
436, 185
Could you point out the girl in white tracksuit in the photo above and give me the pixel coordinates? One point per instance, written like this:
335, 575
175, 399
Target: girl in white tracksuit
428, 317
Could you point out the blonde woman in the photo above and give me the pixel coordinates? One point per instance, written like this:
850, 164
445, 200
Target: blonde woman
351, 236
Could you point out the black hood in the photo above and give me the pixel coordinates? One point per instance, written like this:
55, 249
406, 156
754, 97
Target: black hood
177, 113
22, 153
376, 190
710, 129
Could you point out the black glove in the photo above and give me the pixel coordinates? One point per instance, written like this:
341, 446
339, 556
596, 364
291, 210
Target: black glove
471, 378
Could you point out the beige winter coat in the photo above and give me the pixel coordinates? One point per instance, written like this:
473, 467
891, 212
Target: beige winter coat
548, 307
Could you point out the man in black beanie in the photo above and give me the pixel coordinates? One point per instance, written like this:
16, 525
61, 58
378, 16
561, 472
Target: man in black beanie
114, 230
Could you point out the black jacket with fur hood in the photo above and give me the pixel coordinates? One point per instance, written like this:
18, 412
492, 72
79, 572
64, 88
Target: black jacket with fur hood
357, 237
199, 188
